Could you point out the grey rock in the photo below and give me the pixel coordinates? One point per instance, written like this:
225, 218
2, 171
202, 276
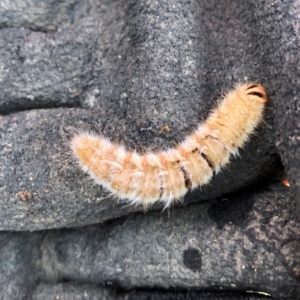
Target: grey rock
234, 243
66, 55
71, 291
114, 67
248, 242
19, 264
281, 60
36, 160
194, 295
45, 16
163, 62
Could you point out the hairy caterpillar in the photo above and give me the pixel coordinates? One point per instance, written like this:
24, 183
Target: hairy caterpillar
167, 175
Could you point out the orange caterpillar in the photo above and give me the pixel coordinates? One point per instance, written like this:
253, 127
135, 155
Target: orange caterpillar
167, 175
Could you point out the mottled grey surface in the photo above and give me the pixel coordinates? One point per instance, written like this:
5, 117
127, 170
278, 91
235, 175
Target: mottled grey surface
281, 60
114, 67
69, 291
161, 62
192, 295
247, 242
40, 163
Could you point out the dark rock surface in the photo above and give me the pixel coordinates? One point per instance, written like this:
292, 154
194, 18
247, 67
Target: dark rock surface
248, 242
192, 295
281, 60
114, 67
164, 62
36, 160
69, 291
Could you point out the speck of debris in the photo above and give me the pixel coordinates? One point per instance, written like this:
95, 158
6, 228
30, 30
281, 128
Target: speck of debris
149, 128
24, 195
164, 129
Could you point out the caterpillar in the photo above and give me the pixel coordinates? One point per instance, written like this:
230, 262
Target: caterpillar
168, 175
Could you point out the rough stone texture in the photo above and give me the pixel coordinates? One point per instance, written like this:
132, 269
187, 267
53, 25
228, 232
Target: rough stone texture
191, 295
161, 62
36, 160
114, 67
281, 60
248, 242
68, 291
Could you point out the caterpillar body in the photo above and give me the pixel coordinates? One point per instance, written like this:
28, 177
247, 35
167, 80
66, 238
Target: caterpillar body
168, 175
